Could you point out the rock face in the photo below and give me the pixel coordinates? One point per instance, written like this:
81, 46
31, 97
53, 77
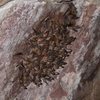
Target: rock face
79, 80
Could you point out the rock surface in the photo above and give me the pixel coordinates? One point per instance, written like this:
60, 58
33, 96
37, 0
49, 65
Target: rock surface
80, 79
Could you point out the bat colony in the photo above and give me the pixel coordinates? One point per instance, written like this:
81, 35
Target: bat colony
47, 48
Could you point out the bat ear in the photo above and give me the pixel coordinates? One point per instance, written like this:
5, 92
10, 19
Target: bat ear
18, 54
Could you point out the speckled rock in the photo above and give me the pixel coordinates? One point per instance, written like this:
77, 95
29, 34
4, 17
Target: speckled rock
83, 69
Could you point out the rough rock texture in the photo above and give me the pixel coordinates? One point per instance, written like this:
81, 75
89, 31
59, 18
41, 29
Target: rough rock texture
79, 80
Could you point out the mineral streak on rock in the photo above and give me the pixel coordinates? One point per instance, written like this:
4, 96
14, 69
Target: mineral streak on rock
90, 62
3, 2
